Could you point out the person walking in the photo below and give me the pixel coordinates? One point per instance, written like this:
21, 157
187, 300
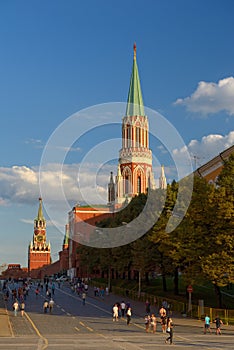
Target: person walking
129, 315
147, 307
53, 288
83, 297
115, 310
15, 307
22, 308
207, 324
51, 305
147, 323
169, 330
123, 307
163, 322
218, 322
48, 293
45, 306
153, 321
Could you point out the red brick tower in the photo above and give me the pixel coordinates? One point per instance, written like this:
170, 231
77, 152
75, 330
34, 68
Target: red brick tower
39, 249
135, 174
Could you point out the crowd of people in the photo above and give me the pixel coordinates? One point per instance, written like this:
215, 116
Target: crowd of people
17, 295
79, 286
165, 321
121, 310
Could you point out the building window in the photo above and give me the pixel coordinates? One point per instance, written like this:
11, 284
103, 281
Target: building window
138, 184
126, 185
138, 136
128, 136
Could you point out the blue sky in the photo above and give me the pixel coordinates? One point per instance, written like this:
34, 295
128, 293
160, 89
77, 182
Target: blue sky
59, 57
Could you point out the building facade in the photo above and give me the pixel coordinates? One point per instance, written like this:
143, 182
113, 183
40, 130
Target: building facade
78, 218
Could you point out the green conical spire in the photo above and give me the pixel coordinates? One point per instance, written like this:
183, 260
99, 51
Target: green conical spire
135, 104
40, 213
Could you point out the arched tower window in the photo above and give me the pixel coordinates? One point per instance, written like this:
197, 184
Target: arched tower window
128, 136
138, 136
138, 184
126, 184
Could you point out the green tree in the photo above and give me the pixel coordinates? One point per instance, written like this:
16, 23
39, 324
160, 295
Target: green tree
218, 263
163, 240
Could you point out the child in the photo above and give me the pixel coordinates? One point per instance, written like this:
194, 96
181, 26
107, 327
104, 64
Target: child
147, 323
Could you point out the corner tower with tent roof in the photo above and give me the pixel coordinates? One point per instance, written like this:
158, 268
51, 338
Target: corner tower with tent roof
39, 249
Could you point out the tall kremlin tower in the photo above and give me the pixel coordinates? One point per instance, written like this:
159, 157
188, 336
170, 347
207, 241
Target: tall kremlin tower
39, 249
135, 173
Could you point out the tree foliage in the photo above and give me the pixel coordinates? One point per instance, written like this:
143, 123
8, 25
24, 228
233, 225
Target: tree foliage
201, 246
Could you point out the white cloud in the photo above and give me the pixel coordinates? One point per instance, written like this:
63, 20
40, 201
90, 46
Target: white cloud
18, 184
88, 182
25, 174
21, 184
206, 149
211, 97
36, 142
39, 144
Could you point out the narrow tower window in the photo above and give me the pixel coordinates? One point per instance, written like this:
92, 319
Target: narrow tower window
138, 137
126, 185
128, 136
139, 184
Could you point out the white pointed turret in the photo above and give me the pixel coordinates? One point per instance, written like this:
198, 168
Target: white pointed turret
162, 179
119, 185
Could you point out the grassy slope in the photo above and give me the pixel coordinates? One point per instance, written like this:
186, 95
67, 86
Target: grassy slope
204, 291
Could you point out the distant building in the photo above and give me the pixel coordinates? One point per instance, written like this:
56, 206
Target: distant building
39, 249
15, 271
211, 170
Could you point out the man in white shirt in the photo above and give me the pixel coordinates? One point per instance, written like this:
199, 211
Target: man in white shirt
115, 313
123, 307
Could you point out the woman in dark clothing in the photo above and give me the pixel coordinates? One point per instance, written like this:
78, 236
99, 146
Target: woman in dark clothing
169, 330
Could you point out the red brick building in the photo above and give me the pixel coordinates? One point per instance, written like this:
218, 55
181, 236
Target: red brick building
15, 271
82, 221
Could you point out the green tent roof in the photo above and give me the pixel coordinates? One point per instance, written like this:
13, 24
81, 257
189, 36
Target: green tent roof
135, 106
